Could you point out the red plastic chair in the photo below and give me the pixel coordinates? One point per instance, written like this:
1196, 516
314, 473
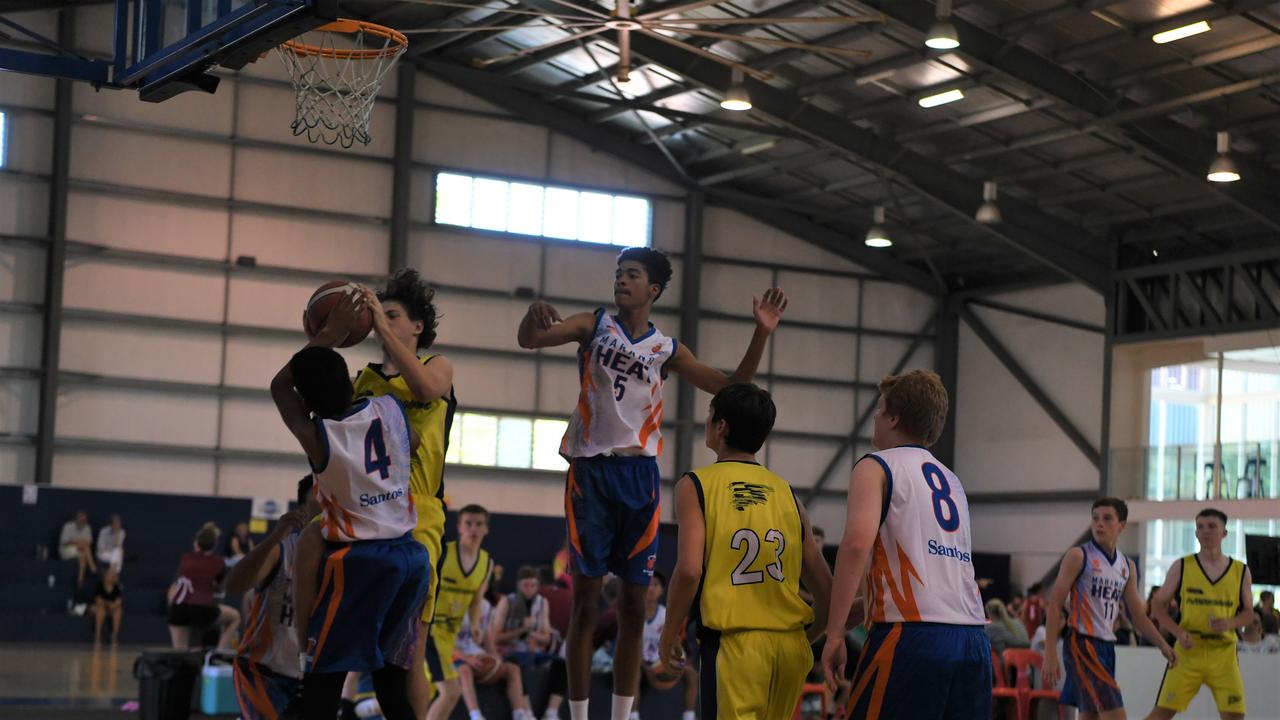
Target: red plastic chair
1002, 691
818, 689
1020, 662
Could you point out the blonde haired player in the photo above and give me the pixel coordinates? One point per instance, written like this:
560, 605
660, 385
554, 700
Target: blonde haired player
745, 546
927, 655
1214, 595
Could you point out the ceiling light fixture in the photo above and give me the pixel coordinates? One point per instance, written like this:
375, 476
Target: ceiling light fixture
736, 98
942, 34
1223, 169
878, 236
759, 146
988, 212
1185, 31
942, 98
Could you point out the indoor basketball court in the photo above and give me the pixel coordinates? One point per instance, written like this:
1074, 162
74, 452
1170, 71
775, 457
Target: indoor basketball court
336, 338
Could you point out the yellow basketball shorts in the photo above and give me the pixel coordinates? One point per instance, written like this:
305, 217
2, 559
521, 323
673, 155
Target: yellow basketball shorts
440, 646
753, 674
429, 532
1214, 665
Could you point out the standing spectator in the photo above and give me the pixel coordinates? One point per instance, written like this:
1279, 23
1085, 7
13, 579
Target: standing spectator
1014, 605
239, 544
1033, 609
1268, 612
1002, 630
191, 602
108, 600
1253, 641
111, 543
76, 543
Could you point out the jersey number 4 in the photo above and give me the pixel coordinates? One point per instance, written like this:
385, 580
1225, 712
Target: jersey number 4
748, 537
944, 508
375, 451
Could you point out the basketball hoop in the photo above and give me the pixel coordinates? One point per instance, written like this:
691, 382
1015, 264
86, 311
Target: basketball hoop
336, 78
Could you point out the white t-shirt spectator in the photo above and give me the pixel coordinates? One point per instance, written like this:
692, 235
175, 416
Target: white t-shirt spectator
110, 547
71, 533
1268, 645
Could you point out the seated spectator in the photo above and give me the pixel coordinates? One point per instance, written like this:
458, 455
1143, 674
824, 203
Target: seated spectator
477, 665
521, 622
191, 597
110, 548
1266, 610
1015, 605
238, 544
559, 600
108, 599
655, 615
76, 543
1252, 641
1002, 630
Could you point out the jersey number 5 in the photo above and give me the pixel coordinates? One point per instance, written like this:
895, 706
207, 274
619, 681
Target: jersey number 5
748, 537
944, 508
375, 451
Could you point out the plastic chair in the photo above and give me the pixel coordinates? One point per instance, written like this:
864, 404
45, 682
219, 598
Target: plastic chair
818, 689
1001, 690
1021, 661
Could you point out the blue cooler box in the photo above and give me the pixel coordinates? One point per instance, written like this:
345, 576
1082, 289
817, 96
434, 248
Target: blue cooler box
217, 686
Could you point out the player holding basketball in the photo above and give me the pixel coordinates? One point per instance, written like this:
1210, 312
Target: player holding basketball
613, 439
1099, 580
365, 615
1214, 595
927, 655
745, 546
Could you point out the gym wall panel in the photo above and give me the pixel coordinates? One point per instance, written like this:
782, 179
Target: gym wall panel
494, 384
474, 260
801, 462
21, 273
813, 353
667, 461
729, 288
721, 344
140, 352
266, 112
881, 354
830, 513
20, 339
1034, 534
1070, 300
156, 162
256, 425
28, 141
895, 307
137, 416
422, 192
26, 90
435, 92
533, 493
314, 182
557, 389
112, 471
19, 405
479, 321
819, 298
579, 163
24, 206
146, 226
253, 361
93, 29
732, 234
187, 111
494, 147
17, 464
1004, 441
667, 225
586, 272
269, 302
806, 408
160, 292
345, 249
259, 480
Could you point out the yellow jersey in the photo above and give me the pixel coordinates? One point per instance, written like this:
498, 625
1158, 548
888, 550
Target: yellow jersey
431, 421
458, 587
1201, 599
753, 552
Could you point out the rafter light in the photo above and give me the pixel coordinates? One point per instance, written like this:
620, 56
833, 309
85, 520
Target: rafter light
942, 34
1185, 31
942, 98
736, 97
877, 235
1223, 169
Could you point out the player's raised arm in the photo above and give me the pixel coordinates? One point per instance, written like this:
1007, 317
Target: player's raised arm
427, 381
816, 577
542, 327
768, 313
687, 574
296, 417
1142, 623
257, 564
1068, 571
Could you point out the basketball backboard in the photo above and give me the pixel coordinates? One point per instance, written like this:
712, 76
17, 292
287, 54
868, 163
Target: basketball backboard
165, 47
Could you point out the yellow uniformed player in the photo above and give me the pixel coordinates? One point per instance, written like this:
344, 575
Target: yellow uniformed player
1215, 596
404, 318
746, 539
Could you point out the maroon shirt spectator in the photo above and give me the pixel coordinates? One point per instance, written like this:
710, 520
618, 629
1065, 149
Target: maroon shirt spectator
192, 606
1033, 610
559, 601
198, 575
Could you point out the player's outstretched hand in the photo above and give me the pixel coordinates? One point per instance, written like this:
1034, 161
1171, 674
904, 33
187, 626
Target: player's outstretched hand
543, 314
291, 521
834, 657
1050, 672
372, 302
768, 311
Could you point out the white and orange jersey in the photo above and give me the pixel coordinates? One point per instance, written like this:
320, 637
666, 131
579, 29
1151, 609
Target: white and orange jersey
619, 407
268, 638
363, 485
1098, 592
922, 560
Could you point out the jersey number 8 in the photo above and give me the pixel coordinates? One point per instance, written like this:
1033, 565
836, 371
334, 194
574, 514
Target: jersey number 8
944, 508
747, 536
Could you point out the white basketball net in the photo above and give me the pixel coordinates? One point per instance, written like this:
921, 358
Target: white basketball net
336, 79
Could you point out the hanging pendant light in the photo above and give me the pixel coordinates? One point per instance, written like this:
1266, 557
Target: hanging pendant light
736, 98
878, 236
942, 34
1223, 169
988, 212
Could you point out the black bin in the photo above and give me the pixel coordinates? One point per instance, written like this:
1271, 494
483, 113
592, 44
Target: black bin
166, 683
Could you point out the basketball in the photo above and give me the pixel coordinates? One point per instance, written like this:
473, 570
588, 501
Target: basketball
662, 678
486, 667
322, 302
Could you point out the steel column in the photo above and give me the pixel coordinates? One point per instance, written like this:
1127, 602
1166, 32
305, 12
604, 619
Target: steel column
690, 314
946, 361
402, 169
